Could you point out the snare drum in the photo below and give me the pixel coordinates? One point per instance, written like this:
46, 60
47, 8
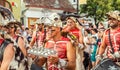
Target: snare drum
107, 64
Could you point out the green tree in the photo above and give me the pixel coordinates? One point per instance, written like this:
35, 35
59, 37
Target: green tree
116, 4
97, 9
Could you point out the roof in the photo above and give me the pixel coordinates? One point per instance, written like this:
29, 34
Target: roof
51, 4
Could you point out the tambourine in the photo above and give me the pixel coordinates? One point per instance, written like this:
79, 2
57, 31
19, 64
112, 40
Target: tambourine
41, 51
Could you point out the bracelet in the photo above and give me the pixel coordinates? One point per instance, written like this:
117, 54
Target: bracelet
99, 57
63, 63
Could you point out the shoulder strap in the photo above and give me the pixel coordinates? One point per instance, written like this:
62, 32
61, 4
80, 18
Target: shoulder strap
110, 42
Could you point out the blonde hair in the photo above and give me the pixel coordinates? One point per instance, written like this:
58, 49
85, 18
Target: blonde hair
75, 21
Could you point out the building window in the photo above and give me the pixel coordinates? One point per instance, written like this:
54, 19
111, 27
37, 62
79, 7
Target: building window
74, 0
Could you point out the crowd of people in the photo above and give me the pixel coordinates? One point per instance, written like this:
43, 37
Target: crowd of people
77, 47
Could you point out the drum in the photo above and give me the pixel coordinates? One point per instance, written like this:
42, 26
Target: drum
107, 64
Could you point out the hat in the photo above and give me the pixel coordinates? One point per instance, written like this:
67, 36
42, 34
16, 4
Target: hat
53, 16
57, 23
47, 21
114, 14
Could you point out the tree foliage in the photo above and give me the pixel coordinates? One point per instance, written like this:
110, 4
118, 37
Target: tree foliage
98, 8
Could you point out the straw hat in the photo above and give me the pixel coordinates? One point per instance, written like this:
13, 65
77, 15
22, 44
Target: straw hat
114, 14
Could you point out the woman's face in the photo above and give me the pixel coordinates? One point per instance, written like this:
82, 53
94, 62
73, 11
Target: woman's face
70, 23
11, 29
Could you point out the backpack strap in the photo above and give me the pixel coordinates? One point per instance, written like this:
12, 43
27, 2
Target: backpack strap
20, 54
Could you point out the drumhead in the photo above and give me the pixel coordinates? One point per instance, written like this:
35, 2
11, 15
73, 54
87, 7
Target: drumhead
107, 64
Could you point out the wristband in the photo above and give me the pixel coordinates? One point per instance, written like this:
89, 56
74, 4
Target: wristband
99, 57
81, 46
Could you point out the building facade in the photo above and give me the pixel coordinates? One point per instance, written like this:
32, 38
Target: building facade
36, 9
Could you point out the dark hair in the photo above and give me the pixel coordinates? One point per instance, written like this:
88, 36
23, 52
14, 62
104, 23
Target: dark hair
15, 24
94, 37
95, 30
87, 30
26, 28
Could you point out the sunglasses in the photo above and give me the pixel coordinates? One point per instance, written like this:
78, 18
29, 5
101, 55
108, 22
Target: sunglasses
111, 19
53, 30
11, 27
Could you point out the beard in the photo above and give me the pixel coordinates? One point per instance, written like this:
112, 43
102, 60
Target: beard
40, 29
113, 25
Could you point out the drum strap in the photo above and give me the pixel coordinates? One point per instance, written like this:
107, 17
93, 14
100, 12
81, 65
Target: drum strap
110, 42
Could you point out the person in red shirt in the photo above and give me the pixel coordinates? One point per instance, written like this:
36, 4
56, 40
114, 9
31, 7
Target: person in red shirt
38, 35
111, 38
37, 40
72, 27
65, 56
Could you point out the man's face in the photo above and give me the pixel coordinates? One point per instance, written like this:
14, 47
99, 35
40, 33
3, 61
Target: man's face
113, 23
40, 26
32, 26
54, 31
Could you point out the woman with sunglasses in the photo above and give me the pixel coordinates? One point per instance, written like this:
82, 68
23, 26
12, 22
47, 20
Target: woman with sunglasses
14, 57
6, 50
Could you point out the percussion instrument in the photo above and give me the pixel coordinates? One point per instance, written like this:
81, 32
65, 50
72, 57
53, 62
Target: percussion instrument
41, 51
107, 64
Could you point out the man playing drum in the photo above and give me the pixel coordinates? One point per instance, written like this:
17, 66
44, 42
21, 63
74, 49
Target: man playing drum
111, 38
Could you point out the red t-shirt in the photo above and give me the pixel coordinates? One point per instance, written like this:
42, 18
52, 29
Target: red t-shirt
39, 38
60, 48
75, 32
115, 39
1, 41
